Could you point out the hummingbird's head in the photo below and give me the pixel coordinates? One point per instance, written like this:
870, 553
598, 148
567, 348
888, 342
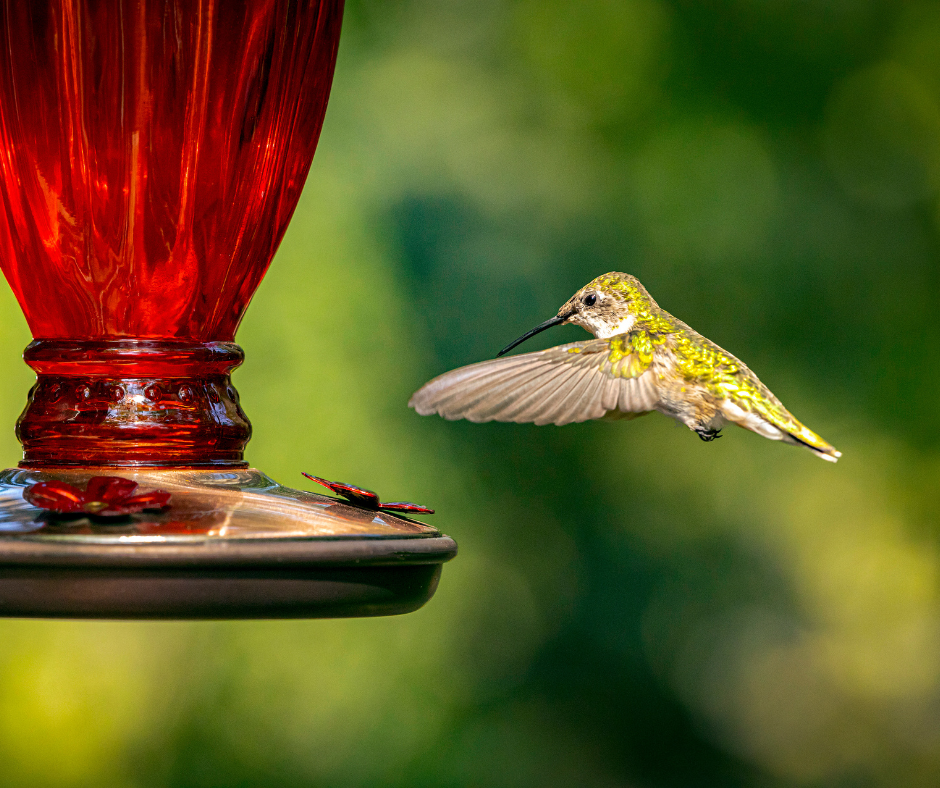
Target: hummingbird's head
606, 307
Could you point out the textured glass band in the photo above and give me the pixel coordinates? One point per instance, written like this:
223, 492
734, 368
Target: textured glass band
128, 402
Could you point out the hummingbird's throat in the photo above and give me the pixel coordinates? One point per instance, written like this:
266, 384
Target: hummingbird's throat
604, 327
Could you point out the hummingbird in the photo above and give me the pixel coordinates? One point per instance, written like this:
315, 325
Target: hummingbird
642, 359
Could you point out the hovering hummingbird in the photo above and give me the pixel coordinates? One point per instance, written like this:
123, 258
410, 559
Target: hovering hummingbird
642, 359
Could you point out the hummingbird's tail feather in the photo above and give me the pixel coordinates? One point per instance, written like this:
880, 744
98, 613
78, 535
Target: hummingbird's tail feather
809, 439
779, 425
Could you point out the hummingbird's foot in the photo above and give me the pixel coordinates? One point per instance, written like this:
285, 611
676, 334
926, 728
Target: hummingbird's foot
707, 435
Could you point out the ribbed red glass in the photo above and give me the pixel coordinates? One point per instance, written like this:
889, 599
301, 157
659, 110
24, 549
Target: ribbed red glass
151, 156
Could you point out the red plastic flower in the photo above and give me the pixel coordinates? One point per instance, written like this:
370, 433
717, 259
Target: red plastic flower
103, 496
368, 499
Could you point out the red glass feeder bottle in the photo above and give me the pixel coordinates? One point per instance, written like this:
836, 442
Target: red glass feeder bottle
151, 157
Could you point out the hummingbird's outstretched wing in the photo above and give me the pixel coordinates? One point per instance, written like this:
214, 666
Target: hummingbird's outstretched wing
565, 384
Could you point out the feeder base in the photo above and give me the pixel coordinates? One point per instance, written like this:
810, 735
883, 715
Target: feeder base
232, 545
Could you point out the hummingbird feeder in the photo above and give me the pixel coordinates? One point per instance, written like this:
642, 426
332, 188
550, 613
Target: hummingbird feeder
151, 156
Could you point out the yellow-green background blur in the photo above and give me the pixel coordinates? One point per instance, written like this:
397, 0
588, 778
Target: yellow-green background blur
631, 606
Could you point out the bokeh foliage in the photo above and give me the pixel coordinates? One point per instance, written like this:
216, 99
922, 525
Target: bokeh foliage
631, 607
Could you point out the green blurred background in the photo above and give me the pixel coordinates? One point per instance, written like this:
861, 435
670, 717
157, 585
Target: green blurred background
631, 606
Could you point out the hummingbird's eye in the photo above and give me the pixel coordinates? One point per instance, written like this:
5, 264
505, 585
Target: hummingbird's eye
590, 299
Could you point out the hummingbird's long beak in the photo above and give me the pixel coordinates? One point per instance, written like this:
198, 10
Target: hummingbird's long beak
555, 321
